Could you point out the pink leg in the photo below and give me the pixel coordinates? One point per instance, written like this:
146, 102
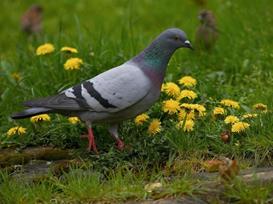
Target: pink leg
113, 130
91, 141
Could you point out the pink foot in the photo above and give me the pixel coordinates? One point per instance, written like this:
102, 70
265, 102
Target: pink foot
120, 144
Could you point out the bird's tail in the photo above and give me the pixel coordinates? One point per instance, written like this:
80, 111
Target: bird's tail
30, 112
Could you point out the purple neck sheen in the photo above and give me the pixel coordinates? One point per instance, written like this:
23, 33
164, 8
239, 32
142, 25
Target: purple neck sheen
154, 59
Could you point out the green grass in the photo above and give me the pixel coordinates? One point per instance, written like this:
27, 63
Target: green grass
241, 192
122, 185
90, 186
239, 67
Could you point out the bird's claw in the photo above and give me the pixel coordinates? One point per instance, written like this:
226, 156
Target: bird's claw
92, 149
120, 145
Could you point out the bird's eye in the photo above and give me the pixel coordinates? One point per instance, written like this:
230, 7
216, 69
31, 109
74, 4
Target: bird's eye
176, 37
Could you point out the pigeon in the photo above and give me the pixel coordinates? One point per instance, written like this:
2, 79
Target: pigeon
207, 32
117, 94
31, 19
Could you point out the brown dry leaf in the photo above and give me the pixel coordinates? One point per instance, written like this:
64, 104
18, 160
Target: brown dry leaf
212, 165
229, 169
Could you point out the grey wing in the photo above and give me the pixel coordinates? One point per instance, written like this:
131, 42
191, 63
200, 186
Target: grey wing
112, 91
58, 102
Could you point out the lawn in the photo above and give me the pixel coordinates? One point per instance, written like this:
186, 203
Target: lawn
106, 34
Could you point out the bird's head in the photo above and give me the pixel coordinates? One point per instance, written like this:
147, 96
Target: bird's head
36, 8
206, 17
175, 38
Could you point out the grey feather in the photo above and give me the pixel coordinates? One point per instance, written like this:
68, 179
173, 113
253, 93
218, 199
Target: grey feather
30, 112
113, 90
58, 102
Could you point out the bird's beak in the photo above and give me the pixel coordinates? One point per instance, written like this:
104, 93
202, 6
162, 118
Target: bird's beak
187, 44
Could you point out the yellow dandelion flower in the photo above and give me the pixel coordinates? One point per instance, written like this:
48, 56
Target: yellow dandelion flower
218, 111
200, 108
69, 50
182, 114
154, 127
45, 49
73, 120
260, 106
230, 103
249, 115
231, 119
16, 130
40, 118
142, 118
187, 81
171, 106
187, 106
196, 107
16, 76
73, 63
188, 125
171, 89
187, 94
239, 127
